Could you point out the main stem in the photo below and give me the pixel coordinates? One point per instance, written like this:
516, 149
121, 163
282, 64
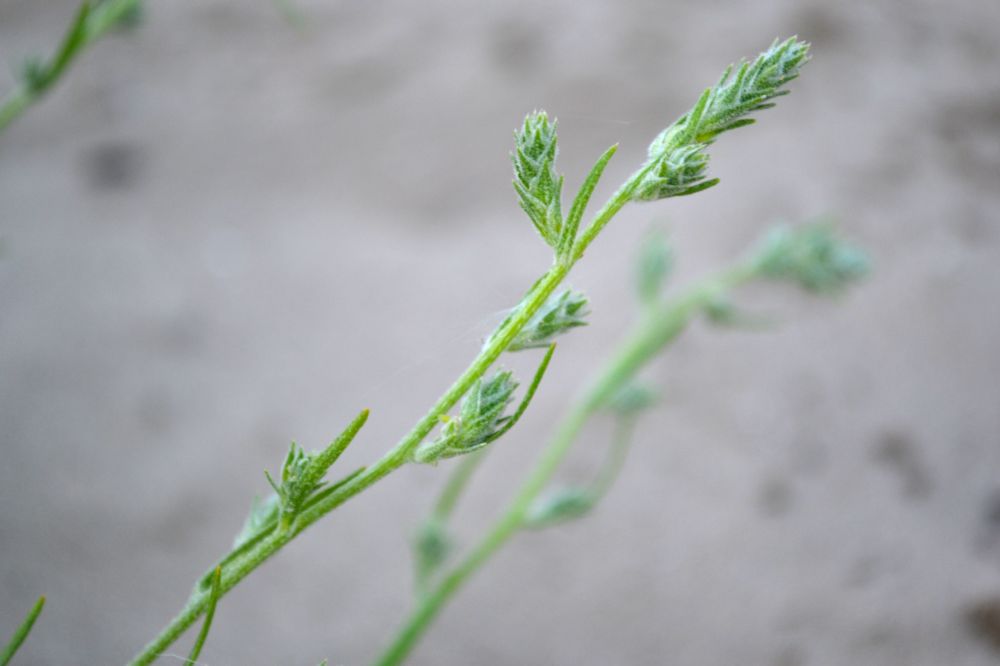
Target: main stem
656, 330
392, 460
236, 570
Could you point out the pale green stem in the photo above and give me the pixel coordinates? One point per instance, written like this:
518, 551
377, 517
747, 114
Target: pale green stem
102, 18
456, 484
241, 566
661, 325
452, 492
616, 456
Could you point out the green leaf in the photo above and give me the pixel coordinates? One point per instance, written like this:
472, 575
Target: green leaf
538, 186
559, 506
481, 419
302, 473
677, 172
320, 462
431, 546
561, 312
677, 155
21, 633
480, 416
528, 395
812, 256
580, 202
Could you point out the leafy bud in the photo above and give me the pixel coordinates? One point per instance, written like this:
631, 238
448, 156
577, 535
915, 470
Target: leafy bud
432, 546
480, 418
632, 399
302, 473
294, 479
132, 17
560, 506
678, 172
538, 186
677, 163
722, 312
558, 314
753, 85
812, 256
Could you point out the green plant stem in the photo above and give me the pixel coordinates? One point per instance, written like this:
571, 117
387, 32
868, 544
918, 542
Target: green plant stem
607, 212
661, 325
616, 456
98, 21
21, 633
239, 567
457, 481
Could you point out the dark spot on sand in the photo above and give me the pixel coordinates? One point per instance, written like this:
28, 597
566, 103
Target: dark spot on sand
114, 165
983, 620
516, 47
897, 452
791, 655
775, 497
820, 26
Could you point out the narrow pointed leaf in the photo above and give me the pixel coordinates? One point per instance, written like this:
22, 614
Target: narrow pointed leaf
21, 633
579, 205
528, 395
213, 600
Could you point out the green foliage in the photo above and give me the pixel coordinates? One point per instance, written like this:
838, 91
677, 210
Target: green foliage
677, 172
812, 256
538, 186
632, 398
432, 546
721, 311
302, 473
558, 507
560, 313
676, 157
38, 75
676, 165
564, 251
480, 419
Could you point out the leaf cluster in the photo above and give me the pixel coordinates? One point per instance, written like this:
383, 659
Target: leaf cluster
538, 186
812, 256
481, 420
302, 473
562, 312
677, 158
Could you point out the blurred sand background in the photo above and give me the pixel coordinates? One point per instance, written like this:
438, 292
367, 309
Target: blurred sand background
223, 232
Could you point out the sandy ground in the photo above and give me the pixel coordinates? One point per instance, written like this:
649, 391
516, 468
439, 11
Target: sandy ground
222, 233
